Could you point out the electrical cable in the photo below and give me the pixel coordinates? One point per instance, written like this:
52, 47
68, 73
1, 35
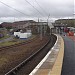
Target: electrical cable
13, 8
34, 7
41, 7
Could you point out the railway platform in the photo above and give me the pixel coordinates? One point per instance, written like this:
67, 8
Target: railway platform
52, 62
68, 67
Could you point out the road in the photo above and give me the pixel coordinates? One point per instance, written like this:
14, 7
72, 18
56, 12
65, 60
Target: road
68, 67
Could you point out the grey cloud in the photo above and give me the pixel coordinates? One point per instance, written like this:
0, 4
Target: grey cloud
57, 8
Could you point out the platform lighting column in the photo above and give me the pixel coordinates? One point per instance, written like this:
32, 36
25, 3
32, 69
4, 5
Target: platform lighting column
74, 26
74, 19
48, 23
41, 23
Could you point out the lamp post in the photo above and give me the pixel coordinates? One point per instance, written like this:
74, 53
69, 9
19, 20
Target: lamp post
0, 20
41, 35
74, 19
48, 23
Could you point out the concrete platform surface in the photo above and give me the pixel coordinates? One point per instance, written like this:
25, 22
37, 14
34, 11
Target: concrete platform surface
51, 65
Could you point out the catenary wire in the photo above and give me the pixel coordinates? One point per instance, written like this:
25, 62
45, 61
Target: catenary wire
41, 7
13, 8
34, 7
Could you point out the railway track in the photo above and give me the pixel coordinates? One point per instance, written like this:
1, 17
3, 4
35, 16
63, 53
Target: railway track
25, 67
19, 44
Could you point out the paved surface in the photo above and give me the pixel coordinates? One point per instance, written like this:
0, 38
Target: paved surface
72, 37
53, 63
69, 57
57, 67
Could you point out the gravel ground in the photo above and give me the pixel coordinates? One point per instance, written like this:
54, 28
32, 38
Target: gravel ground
25, 70
10, 57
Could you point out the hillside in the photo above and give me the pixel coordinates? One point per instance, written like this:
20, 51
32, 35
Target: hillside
68, 22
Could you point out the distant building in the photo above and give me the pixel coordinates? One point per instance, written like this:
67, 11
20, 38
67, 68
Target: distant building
28, 25
38, 27
17, 24
22, 24
6, 24
0, 26
64, 22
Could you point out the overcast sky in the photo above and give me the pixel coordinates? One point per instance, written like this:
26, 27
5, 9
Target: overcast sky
56, 9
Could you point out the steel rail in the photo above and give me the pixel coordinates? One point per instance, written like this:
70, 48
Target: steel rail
15, 69
15, 45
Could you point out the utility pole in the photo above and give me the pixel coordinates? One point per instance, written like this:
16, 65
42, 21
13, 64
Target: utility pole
41, 24
41, 32
38, 26
38, 19
48, 23
1, 21
74, 19
68, 21
48, 18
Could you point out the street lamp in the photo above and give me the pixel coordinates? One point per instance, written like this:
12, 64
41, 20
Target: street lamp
41, 35
74, 19
49, 24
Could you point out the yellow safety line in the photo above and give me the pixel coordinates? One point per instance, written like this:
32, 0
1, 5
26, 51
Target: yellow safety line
56, 70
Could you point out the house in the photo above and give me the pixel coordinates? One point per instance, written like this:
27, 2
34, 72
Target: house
6, 24
21, 24
17, 24
28, 25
